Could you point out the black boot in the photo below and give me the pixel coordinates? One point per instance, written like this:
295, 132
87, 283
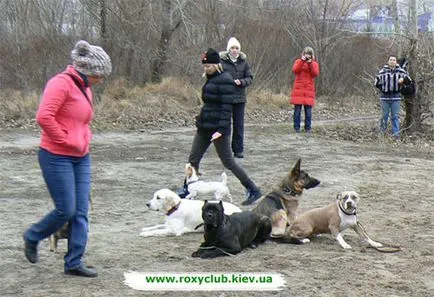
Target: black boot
82, 270
30, 250
253, 193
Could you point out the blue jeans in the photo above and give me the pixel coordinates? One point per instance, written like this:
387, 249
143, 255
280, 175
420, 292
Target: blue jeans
68, 181
391, 107
307, 117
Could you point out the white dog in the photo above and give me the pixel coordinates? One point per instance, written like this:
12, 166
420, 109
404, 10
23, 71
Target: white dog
197, 187
182, 215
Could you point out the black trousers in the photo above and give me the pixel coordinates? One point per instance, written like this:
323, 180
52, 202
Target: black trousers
201, 142
238, 127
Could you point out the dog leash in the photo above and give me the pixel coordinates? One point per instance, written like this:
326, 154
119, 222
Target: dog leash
198, 226
217, 248
386, 248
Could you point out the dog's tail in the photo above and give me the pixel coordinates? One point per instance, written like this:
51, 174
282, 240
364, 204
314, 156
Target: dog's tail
224, 178
284, 239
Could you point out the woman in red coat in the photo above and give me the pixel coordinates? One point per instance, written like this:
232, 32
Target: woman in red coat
305, 69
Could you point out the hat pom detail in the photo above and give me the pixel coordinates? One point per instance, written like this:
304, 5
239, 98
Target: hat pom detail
90, 59
82, 47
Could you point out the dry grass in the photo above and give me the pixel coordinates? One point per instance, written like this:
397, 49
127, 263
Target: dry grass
18, 108
170, 103
267, 99
175, 103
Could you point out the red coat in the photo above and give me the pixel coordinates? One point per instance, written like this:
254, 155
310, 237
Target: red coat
303, 91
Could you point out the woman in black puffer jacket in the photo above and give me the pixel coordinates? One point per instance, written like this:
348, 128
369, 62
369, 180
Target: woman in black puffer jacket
214, 122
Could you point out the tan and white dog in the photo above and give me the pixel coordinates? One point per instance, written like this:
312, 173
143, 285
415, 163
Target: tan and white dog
334, 218
182, 215
198, 187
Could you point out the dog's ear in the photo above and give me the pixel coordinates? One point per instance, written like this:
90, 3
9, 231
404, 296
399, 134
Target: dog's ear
188, 170
338, 196
355, 196
295, 172
168, 203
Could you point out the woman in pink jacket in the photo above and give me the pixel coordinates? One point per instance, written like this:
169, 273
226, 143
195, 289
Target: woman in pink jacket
64, 114
305, 69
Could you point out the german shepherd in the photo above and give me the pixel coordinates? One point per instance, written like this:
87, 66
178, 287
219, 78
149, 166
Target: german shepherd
281, 204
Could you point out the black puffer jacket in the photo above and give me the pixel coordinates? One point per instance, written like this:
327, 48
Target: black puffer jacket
238, 70
218, 96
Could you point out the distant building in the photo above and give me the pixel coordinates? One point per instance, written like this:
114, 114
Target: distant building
425, 22
381, 20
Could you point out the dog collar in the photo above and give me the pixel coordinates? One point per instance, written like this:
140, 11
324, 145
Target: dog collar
192, 182
289, 191
345, 212
173, 209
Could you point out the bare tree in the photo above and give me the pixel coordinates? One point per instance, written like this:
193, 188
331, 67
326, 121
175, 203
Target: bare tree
148, 39
412, 104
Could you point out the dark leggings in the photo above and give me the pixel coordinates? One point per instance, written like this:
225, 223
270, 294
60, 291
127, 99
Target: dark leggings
201, 142
238, 127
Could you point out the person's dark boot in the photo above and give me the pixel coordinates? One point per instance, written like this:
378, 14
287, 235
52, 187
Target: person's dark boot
30, 250
253, 193
82, 270
239, 155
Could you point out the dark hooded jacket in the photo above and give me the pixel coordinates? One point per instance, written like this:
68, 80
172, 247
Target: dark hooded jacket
238, 70
218, 96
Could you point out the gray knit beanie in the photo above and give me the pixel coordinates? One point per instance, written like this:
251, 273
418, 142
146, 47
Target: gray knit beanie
90, 59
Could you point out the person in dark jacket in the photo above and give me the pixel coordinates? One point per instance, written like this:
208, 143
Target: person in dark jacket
214, 122
390, 81
235, 62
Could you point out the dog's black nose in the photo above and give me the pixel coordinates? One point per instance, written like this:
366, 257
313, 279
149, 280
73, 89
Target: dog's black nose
148, 204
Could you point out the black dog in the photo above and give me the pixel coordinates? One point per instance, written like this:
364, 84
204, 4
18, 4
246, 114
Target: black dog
228, 235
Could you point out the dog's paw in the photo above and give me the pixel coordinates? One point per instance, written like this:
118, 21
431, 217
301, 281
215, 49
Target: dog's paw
145, 234
305, 240
346, 246
374, 243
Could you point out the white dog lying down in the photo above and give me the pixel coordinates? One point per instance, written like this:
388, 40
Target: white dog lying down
182, 215
198, 187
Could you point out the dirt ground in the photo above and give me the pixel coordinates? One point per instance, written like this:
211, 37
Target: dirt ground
395, 183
